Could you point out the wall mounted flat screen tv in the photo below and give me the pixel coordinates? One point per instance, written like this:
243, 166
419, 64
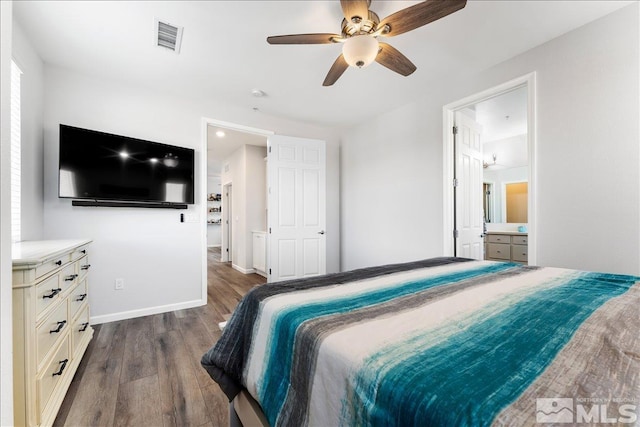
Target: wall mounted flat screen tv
101, 166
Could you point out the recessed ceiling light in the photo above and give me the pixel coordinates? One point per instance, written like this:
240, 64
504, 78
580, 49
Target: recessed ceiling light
258, 93
220, 134
124, 154
153, 160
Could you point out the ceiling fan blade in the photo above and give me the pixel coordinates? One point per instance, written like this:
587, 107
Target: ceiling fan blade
338, 67
420, 14
351, 8
321, 38
391, 58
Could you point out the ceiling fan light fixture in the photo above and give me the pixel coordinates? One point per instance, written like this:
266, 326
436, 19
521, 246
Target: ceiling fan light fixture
170, 160
360, 51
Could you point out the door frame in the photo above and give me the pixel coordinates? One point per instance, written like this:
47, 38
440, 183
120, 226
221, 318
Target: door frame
226, 248
205, 122
528, 80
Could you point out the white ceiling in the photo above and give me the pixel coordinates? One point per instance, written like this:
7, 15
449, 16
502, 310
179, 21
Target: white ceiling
224, 53
219, 149
503, 116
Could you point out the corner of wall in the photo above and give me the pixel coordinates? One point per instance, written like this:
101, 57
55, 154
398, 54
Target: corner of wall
6, 340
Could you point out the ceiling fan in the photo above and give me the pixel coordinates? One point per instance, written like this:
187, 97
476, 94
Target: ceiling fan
360, 29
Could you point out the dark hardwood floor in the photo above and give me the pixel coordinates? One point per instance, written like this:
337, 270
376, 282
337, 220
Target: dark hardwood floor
146, 371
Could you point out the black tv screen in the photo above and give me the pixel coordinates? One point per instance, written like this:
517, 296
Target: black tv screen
102, 166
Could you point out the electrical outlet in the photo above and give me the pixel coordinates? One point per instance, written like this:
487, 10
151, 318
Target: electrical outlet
119, 284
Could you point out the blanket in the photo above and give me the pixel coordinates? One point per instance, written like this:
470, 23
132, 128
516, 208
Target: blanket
443, 342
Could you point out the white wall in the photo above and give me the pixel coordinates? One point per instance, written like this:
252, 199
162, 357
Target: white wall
6, 335
32, 104
158, 257
234, 173
256, 195
214, 236
246, 174
587, 157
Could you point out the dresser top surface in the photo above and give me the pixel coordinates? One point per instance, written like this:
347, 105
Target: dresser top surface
38, 251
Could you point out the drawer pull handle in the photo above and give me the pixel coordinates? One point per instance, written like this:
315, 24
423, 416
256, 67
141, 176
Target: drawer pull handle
85, 325
85, 267
53, 293
81, 297
64, 365
58, 262
84, 251
70, 277
60, 326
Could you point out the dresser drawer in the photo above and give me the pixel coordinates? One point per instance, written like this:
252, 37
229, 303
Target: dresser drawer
498, 238
500, 251
47, 293
50, 330
79, 253
78, 298
520, 253
83, 267
80, 329
68, 277
519, 240
51, 375
49, 266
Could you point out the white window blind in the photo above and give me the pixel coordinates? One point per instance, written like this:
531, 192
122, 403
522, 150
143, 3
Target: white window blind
15, 153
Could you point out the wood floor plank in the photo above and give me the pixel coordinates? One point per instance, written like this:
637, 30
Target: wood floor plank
138, 403
210, 317
95, 404
198, 340
164, 322
139, 359
217, 405
181, 397
110, 342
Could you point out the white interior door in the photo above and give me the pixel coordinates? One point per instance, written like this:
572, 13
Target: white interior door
296, 222
469, 211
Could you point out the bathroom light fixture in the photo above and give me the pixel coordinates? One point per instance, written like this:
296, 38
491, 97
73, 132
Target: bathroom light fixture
360, 51
220, 133
486, 165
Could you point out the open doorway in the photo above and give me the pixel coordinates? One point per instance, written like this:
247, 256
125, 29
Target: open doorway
488, 144
234, 173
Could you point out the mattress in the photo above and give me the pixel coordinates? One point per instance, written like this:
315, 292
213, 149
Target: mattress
442, 342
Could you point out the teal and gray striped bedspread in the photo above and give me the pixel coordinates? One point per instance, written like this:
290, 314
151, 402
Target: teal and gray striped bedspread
440, 342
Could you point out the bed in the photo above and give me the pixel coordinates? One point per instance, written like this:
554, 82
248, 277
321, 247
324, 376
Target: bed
439, 342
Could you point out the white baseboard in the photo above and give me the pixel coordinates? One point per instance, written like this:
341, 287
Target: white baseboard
214, 246
113, 317
243, 270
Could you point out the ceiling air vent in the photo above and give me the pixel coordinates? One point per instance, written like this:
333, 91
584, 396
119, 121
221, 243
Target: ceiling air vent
168, 36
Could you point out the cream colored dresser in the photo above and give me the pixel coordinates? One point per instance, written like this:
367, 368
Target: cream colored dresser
505, 246
50, 324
